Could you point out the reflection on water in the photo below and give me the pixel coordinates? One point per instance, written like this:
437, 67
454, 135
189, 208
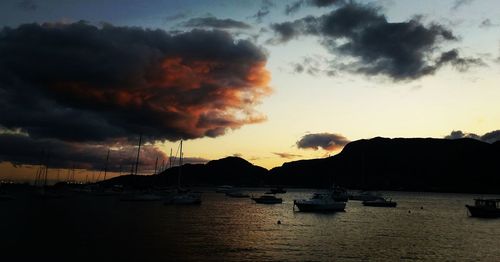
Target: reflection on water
424, 226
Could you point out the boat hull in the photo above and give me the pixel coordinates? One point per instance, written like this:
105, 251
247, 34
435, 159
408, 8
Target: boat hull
316, 207
483, 212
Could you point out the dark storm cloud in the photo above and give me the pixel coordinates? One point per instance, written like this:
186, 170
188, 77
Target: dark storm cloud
327, 141
78, 82
286, 155
213, 22
460, 3
489, 137
287, 31
23, 150
402, 51
28, 5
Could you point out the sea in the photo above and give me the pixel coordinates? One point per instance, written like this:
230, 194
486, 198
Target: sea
423, 227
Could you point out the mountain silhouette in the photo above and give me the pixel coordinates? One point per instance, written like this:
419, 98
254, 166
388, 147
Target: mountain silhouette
413, 164
230, 170
416, 164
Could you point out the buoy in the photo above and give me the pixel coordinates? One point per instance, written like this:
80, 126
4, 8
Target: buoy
279, 222
422, 207
409, 211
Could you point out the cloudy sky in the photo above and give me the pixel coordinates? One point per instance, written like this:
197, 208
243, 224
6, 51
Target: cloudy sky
269, 81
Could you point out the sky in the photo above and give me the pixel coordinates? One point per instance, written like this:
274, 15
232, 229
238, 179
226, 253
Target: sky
269, 81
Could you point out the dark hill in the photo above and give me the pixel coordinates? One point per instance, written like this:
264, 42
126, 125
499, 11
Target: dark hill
463, 165
230, 170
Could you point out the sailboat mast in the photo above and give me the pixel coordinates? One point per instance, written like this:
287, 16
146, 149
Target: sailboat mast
170, 159
138, 151
106, 166
180, 168
46, 170
40, 170
156, 165
180, 160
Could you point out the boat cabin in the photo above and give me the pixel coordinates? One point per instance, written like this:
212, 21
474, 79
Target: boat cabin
489, 203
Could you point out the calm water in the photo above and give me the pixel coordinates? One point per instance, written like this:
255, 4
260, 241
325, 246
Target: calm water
86, 228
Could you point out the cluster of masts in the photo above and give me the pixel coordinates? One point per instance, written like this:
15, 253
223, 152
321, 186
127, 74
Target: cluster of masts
42, 172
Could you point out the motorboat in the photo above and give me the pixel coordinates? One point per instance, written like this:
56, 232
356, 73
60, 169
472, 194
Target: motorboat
320, 202
380, 202
267, 199
487, 208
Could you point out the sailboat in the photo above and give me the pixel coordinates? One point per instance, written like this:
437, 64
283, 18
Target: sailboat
141, 196
183, 196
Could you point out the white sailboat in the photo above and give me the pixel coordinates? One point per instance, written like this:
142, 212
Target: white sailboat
182, 196
140, 196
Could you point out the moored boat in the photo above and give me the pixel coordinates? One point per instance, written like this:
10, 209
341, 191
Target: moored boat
182, 196
487, 208
320, 202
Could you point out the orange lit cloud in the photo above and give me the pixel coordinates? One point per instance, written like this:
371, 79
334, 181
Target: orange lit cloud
113, 82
